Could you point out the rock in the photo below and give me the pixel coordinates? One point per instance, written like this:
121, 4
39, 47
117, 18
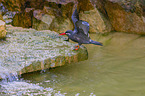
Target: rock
41, 21
52, 18
61, 25
28, 50
100, 5
126, 18
48, 15
88, 12
85, 5
2, 29
23, 19
2, 8
37, 4
55, 15
97, 21
1, 17
8, 17
13, 5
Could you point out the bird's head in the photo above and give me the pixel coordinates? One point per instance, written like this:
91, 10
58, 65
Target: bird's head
68, 33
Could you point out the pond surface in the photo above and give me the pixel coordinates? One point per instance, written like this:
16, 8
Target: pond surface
116, 69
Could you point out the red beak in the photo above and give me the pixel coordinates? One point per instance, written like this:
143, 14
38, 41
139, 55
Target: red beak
62, 34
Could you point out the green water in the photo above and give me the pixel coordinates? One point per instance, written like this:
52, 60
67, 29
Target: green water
116, 69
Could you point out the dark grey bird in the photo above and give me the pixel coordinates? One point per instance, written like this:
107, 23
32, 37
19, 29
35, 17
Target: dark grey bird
80, 33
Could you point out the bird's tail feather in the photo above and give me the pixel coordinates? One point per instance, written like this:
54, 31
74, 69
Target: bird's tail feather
96, 43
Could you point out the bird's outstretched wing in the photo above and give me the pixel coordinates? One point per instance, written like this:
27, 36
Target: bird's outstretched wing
83, 27
75, 17
80, 26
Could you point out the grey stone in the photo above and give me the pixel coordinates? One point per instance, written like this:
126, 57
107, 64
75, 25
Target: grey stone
28, 50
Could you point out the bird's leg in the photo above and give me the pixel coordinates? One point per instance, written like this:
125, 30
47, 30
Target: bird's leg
77, 47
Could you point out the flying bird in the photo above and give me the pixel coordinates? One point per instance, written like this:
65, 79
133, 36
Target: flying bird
80, 33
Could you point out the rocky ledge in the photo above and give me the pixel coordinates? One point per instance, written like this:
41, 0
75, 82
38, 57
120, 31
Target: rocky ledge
28, 50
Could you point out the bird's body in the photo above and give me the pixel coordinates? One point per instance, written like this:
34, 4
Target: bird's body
80, 33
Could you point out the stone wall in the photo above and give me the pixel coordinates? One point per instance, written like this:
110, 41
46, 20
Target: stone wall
103, 15
55, 15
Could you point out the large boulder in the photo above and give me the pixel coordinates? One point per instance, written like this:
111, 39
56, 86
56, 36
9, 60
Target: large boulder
54, 17
28, 50
2, 29
126, 16
97, 21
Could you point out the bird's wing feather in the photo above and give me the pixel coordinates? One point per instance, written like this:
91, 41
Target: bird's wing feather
81, 38
75, 17
83, 26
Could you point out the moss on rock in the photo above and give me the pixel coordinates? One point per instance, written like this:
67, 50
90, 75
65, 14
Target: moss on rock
28, 50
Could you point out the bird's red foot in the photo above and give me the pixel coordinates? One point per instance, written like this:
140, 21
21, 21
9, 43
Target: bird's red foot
77, 47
